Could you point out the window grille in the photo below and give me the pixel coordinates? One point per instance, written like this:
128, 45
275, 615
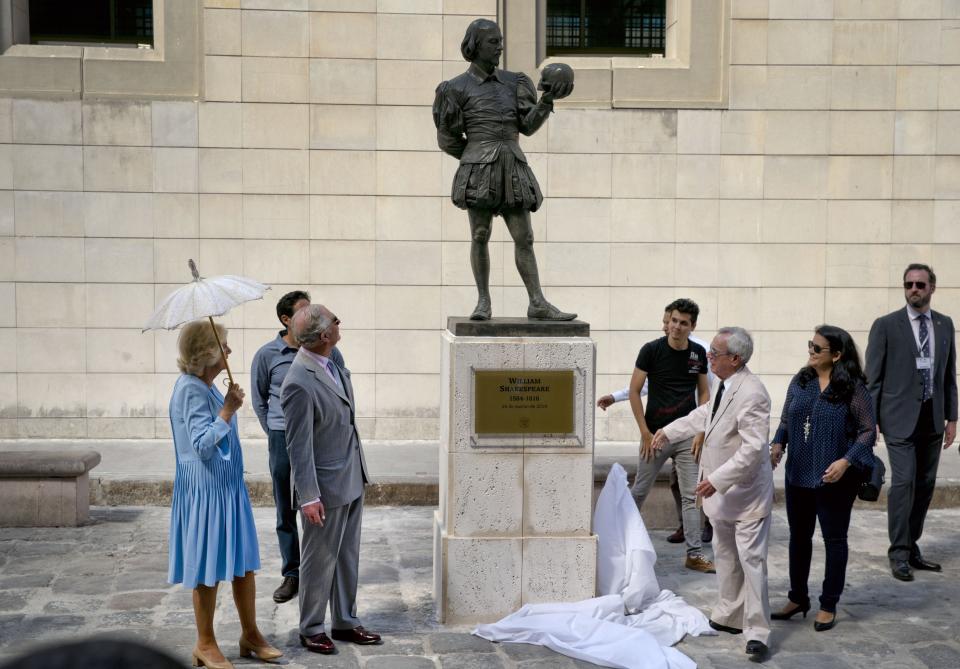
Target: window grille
612, 27
91, 22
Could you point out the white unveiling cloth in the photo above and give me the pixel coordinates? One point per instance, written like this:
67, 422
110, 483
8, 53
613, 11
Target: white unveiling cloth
633, 624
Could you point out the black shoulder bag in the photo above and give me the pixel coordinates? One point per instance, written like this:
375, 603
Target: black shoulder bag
872, 481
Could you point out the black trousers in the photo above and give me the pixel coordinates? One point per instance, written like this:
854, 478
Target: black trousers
831, 504
913, 476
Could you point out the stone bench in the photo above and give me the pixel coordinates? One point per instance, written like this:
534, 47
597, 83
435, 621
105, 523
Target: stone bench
45, 488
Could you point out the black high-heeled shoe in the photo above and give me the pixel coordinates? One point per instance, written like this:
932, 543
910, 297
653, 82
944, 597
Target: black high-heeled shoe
823, 627
787, 615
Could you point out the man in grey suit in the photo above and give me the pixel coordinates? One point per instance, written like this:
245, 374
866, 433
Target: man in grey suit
911, 373
329, 472
270, 366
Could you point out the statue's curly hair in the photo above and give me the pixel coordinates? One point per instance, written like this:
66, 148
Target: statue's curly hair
471, 39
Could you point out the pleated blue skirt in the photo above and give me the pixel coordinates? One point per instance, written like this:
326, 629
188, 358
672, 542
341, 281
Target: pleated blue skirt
212, 532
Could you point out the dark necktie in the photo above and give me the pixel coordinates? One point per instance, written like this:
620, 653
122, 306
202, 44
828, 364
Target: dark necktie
716, 402
925, 352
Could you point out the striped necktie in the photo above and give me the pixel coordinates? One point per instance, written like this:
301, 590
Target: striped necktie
334, 374
925, 352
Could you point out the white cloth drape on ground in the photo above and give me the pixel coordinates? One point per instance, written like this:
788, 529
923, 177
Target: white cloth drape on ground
600, 630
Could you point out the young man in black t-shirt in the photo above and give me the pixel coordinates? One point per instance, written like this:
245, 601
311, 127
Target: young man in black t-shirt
676, 369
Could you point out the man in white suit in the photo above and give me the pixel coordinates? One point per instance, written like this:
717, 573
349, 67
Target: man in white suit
736, 486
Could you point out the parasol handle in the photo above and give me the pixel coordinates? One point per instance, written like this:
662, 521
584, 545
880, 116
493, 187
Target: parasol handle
220, 344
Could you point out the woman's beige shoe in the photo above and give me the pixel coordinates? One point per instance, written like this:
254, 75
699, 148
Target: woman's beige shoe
265, 653
200, 660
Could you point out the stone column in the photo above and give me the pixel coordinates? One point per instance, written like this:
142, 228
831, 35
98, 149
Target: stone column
514, 523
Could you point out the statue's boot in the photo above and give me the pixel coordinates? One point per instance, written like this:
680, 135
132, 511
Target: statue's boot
547, 312
482, 311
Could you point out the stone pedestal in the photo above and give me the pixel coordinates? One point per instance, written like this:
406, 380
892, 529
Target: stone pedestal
514, 523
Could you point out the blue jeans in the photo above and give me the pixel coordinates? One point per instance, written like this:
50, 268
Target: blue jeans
287, 534
687, 470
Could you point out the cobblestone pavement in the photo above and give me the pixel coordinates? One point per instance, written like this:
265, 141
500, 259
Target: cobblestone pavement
109, 577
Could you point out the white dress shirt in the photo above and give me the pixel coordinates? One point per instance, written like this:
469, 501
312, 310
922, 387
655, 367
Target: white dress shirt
915, 324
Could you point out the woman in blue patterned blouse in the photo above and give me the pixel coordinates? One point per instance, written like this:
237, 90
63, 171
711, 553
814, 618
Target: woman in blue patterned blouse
828, 428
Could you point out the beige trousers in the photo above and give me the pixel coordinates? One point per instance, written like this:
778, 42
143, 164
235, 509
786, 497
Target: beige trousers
740, 556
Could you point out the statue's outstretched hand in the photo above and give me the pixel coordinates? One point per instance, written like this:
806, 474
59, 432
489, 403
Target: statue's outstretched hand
558, 91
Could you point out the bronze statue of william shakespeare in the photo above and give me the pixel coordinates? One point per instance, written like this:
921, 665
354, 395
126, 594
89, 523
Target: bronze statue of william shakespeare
478, 117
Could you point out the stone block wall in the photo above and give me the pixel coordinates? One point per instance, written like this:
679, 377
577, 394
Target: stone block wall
310, 160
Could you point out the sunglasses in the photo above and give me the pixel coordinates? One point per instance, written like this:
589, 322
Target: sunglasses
907, 285
816, 348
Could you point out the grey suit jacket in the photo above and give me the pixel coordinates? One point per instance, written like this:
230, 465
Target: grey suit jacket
893, 378
326, 457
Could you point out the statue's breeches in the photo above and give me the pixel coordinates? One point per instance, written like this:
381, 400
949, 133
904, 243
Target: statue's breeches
504, 183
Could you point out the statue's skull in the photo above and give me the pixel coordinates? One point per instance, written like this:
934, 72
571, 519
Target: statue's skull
553, 74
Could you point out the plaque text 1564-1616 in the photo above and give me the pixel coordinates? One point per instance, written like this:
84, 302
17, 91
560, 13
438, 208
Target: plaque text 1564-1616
523, 401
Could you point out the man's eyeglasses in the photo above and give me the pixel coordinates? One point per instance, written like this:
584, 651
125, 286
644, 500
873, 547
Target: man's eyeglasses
907, 285
714, 353
336, 321
816, 348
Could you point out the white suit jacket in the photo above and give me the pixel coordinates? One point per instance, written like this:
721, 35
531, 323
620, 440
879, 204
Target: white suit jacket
736, 451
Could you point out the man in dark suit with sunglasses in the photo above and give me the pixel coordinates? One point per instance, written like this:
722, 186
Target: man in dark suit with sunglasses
911, 373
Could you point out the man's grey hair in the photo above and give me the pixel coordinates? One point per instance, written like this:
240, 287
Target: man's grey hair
309, 323
739, 342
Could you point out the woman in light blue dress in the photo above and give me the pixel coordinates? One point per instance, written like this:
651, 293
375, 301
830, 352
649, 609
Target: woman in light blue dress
212, 533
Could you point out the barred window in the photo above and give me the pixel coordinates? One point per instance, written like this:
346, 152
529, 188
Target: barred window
92, 22
628, 27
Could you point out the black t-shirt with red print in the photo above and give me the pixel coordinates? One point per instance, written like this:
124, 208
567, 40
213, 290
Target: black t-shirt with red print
673, 377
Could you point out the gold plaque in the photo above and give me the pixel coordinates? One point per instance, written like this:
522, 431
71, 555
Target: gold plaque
523, 401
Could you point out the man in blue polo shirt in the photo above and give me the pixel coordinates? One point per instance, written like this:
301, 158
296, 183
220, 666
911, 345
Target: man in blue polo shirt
270, 366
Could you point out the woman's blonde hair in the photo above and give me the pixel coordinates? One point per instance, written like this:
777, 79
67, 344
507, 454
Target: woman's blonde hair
198, 347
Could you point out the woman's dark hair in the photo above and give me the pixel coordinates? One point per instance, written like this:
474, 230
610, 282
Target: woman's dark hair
471, 39
847, 372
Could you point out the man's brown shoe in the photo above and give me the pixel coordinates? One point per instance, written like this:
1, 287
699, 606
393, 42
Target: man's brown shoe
318, 643
700, 563
676, 537
357, 635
